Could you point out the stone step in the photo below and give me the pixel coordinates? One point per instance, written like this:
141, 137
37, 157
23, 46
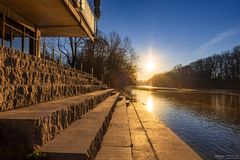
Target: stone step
117, 141
82, 140
40, 123
17, 96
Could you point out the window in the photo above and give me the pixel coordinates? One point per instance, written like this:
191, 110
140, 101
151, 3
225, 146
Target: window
17, 40
17, 36
29, 42
26, 45
7, 38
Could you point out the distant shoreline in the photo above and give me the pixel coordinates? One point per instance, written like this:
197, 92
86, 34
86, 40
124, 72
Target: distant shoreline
215, 91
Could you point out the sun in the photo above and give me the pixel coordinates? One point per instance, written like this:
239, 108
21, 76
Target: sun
151, 62
150, 66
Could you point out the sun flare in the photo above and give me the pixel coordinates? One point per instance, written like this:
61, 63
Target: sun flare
150, 66
151, 62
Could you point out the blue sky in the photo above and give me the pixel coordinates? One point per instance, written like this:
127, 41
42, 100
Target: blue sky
174, 31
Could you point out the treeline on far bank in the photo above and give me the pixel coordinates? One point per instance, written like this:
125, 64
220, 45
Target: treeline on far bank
219, 71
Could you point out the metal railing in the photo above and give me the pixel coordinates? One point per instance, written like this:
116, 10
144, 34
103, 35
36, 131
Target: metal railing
52, 53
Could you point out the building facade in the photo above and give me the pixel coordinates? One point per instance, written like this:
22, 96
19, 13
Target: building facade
23, 22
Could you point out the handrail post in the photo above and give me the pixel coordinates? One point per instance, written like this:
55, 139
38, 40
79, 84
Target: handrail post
44, 49
53, 54
102, 78
92, 71
60, 58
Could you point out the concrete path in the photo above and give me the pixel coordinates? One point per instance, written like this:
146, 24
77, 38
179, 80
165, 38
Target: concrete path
149, 137
141, 149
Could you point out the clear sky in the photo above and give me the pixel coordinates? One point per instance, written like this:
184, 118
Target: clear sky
170, 32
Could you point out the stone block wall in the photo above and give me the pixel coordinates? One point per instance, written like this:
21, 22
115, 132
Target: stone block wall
26, 80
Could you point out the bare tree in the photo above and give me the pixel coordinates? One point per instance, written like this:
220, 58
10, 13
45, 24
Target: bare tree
70, 47
113, 59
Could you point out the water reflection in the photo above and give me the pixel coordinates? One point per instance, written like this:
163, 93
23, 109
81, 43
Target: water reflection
208, 122
149, 104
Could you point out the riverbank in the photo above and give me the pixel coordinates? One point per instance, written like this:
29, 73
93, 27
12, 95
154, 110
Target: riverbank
134, 133
216, 91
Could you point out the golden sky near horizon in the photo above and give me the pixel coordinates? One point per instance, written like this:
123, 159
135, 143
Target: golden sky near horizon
151, 62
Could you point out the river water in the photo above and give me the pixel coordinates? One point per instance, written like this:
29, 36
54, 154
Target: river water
207, 121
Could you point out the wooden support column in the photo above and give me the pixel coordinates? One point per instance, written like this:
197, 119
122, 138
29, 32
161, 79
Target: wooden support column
37, 43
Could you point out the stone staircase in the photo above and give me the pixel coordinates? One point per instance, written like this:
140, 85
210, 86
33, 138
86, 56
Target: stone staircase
26, 80
82, 140
50, 108
69, 128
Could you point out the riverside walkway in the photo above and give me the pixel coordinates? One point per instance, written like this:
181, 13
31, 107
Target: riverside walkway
134, 133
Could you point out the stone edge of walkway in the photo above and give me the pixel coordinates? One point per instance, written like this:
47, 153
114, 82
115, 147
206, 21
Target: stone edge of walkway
166, 145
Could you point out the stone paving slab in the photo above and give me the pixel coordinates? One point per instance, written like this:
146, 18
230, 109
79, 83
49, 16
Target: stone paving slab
42, 122
114, 153
150, 138
117, 143
141, 148
82, 139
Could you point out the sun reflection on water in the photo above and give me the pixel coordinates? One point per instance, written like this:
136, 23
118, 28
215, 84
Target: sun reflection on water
150, 105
